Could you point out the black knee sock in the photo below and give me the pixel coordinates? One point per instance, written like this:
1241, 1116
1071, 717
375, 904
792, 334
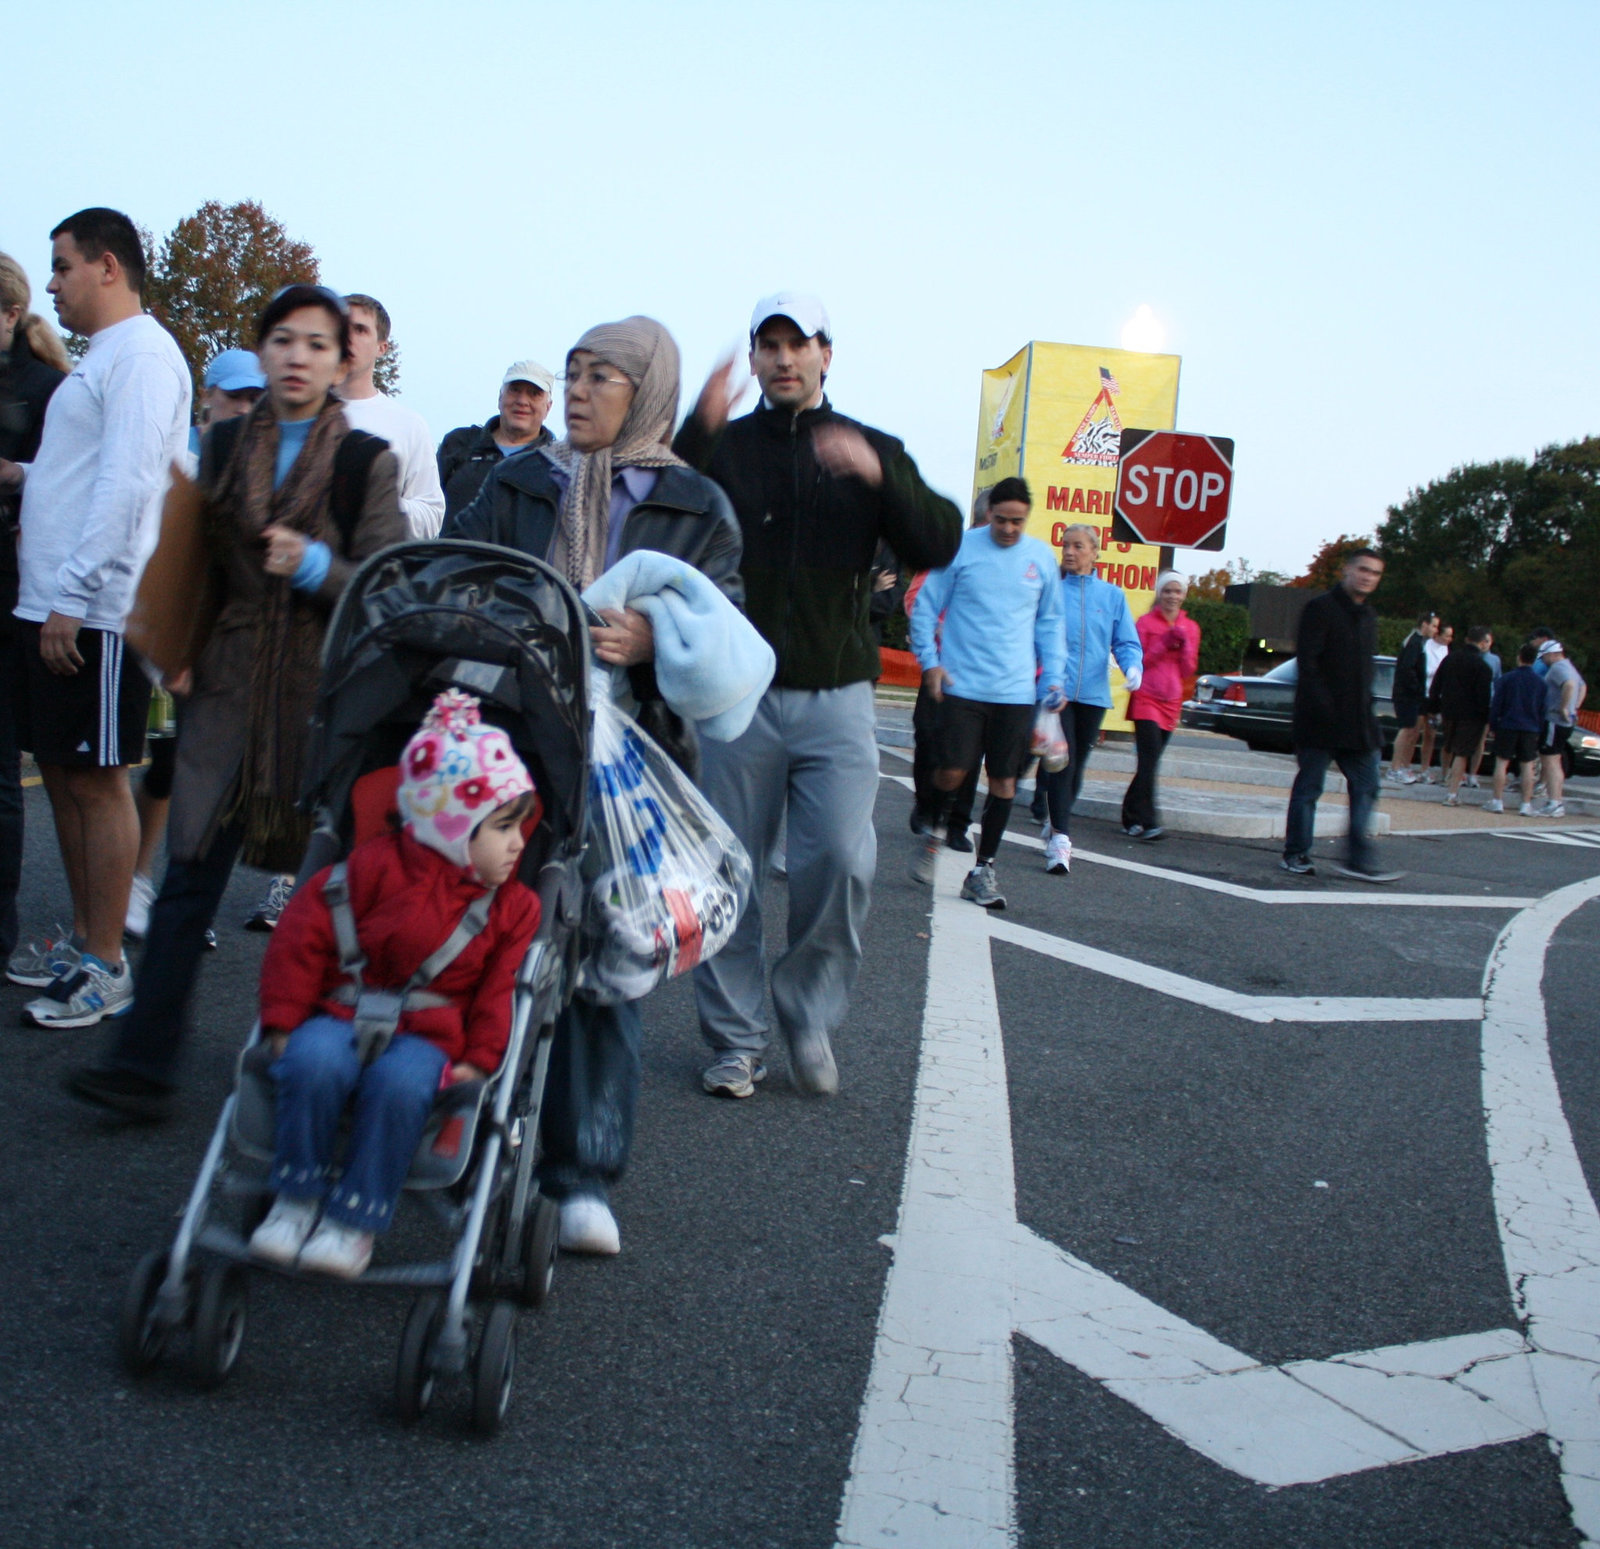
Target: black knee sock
938, 809
996, 814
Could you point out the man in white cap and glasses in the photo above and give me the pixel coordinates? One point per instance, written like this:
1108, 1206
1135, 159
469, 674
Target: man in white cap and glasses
1564, 691
815, 494
466, 455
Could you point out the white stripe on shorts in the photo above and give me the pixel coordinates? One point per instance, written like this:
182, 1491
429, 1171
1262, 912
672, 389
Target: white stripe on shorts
110, 698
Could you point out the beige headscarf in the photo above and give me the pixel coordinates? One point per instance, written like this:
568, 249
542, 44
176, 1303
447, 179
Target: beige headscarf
644, 352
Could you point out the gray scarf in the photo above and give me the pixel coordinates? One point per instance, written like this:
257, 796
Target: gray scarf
644, 352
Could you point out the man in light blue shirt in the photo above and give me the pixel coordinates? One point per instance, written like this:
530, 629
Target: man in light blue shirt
987, 631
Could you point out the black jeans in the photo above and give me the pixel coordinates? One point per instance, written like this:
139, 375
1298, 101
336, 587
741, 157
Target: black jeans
150, 1038
10, 774
591, 1095
1081, 723
1139, 804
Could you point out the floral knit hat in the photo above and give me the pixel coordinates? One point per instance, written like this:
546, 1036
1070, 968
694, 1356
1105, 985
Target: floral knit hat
454, 773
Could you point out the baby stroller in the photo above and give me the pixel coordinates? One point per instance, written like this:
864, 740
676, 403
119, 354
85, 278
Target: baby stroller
416, 619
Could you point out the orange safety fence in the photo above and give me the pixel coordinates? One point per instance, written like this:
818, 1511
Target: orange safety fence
899, 669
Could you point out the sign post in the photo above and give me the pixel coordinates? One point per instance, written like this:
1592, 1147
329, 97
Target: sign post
1173, 489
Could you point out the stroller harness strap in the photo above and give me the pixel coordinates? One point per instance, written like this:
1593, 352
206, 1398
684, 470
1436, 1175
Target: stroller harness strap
378, 1011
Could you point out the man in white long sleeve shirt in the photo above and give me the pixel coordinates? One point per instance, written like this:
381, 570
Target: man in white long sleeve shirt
90, 517
421, 498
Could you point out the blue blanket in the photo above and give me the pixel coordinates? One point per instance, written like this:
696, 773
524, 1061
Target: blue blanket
711, 665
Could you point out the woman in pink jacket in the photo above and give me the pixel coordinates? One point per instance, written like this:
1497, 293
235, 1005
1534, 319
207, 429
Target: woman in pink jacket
1171, 643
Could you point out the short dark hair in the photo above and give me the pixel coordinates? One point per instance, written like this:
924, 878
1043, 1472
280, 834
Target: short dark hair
1426, 617
1365, 553
293, 298
1010, 489
1478, 632
1539, 632
1527, 653
379, 313
98, 231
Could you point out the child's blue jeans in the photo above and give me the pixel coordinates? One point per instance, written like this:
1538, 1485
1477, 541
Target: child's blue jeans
316, 1075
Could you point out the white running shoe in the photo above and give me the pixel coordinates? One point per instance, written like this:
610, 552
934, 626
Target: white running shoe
588, 1226
925, 860
1553, 809
1058, 855
337, 1249
1401, 776
1492, 805
1472, 783
139, 901
92, 994
1528, 810
734, 1075
279, 1239
38, 963
1452, 800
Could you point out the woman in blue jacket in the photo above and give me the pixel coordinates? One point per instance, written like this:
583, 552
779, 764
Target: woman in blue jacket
1099, 625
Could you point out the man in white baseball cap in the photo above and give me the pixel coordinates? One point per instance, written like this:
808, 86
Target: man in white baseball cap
815, 494
466, 455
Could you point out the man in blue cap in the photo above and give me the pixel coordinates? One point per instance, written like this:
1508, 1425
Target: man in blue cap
233, 382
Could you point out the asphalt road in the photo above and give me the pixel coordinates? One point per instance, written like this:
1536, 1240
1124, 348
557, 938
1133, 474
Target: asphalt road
1294, 1189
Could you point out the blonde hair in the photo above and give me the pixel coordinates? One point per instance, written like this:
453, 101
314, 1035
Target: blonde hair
1091, 533
42, 339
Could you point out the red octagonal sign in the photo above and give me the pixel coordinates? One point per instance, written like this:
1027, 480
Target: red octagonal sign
1173, 489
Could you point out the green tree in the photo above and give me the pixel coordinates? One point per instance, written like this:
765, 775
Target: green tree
216, 272
1224, 632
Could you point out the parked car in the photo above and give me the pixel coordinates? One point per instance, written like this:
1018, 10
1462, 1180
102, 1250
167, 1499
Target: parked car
1260, 711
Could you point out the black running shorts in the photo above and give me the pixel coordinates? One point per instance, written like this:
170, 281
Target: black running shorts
970, 729
94, 718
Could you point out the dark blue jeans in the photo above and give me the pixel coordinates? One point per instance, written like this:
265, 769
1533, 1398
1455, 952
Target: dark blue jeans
1359, 766
316, 1075
591, 1095
150, 1038
10, 776
1081, 723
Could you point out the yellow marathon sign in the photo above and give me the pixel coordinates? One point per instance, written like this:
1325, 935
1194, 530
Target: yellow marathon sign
1054, 414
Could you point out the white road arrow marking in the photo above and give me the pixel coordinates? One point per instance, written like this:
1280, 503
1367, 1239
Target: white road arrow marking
933, 1463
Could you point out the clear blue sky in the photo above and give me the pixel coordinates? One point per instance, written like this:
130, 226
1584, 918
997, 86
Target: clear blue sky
1370, 231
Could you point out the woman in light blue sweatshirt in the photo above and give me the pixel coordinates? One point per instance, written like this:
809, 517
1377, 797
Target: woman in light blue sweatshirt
1099, 625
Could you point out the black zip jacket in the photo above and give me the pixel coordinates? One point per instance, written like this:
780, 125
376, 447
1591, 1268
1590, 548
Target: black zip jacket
465, 457
1333, 697
1463, 685
1411, 670
26, 385
810, 538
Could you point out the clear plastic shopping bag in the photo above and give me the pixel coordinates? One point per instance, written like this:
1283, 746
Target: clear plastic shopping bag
1049, 743
665, 881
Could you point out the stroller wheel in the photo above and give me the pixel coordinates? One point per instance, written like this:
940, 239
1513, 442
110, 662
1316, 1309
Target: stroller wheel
413, 1375
221, 1311
539, 1243
495, 1368
140, 1338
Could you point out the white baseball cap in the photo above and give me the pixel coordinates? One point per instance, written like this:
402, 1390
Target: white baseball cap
529, 371
1550, 647
806, 312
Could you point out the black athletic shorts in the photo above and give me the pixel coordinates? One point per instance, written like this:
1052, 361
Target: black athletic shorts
1459, 739
1553, 740
970, 729
1407, 712
94, 718
1516, 745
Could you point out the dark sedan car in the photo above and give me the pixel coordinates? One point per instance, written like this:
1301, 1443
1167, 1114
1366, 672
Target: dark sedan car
1260, 710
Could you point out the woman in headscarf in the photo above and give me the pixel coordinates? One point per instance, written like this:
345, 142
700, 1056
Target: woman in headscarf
294, 500
612, 486
1171, 643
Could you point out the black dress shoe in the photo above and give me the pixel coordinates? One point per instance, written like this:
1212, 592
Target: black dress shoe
957, 839
122, 1091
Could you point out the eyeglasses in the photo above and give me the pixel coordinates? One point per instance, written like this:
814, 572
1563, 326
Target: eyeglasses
593, 378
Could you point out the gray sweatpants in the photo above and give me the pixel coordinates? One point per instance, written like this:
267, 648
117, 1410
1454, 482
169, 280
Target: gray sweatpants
817, 751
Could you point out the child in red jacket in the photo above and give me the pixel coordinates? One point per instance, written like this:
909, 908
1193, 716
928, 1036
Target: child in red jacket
463, 797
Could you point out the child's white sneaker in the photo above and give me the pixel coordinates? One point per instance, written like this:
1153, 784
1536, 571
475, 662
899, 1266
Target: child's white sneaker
336, 1249
280, 1237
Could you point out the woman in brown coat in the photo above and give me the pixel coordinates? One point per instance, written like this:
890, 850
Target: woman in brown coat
294, 501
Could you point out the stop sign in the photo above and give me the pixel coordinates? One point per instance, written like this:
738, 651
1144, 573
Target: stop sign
1173, 489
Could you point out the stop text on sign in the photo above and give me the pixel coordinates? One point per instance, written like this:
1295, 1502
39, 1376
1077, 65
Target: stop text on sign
1173, 489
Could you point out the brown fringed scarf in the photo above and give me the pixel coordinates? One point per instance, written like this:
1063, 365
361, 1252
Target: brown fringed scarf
644, 352
288, 659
